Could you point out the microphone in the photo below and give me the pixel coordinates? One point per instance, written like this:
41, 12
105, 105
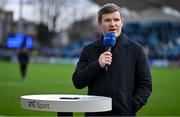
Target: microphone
109, 42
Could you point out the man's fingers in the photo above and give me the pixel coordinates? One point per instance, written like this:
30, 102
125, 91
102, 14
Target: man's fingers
105, 59
107, 53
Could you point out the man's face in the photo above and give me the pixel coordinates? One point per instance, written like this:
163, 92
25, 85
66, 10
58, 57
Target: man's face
111, 22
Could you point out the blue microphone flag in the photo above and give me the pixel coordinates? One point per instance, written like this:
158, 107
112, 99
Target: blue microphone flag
109, 39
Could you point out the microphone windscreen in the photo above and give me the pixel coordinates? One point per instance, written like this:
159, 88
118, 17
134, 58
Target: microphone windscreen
109, 39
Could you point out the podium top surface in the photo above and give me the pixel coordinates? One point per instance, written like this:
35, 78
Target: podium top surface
66, 103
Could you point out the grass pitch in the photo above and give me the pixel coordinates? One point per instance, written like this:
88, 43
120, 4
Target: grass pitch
56, 79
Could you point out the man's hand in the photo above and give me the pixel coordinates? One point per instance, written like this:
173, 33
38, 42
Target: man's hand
105, 59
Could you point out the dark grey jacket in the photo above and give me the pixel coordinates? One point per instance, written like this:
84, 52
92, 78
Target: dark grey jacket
127, 81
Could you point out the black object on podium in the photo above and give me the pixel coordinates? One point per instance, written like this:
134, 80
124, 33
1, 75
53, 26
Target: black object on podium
65, 114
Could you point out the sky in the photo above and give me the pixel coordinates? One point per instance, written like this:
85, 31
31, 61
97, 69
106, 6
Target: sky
76, 10
13, 5
84, 8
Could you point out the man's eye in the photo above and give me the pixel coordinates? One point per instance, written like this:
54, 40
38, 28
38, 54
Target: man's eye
117, 19
107, 20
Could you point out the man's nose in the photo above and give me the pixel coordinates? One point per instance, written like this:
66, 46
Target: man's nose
112, 23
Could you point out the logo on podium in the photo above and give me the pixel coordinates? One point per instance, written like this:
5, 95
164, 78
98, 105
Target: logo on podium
36, 104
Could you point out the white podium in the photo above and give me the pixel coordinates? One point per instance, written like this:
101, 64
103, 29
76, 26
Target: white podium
66, 103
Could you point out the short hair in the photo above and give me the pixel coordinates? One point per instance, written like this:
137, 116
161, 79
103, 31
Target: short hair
109, 8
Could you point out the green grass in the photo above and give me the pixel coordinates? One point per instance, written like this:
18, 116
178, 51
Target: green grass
165, 98
41, 79
56, 79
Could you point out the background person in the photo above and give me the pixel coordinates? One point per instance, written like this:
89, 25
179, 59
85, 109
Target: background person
23, 59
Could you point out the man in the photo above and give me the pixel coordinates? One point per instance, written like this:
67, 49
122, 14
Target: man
23, 59
127, 80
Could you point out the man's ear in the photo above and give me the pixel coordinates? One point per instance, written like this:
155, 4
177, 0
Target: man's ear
99, 25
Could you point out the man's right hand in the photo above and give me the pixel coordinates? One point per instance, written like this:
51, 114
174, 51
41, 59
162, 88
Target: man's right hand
105, 59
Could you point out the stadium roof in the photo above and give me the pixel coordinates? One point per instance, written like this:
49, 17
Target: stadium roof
140, 5
153, 14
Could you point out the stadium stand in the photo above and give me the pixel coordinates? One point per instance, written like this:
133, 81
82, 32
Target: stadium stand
161, 38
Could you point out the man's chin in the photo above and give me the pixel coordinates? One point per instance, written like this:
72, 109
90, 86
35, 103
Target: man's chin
117, 35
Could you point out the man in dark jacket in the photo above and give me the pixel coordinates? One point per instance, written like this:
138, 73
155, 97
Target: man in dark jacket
23, 59
127, 80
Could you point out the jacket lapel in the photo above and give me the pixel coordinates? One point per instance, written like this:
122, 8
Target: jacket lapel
99, 46
121, 44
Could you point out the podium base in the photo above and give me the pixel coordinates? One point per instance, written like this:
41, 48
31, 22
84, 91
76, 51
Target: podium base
64, 114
